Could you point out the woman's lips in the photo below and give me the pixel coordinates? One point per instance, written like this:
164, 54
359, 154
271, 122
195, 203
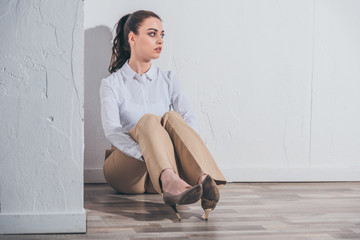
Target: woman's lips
158, 49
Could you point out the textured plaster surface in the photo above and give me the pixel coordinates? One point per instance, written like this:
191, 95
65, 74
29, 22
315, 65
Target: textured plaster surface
41, 106
274, 83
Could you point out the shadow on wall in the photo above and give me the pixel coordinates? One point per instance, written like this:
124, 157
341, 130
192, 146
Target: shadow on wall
97, 52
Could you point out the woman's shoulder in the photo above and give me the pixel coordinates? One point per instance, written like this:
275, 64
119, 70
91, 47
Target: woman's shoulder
168, 75
113, 79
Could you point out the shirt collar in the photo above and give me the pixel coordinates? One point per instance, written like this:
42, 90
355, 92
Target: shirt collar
131, 74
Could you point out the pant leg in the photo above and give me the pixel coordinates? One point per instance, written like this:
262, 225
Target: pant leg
126, 174
194, 157
156, 147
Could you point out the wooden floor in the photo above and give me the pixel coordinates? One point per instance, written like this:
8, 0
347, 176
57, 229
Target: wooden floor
271, 211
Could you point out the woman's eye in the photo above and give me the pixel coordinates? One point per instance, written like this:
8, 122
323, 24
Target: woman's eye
153, 34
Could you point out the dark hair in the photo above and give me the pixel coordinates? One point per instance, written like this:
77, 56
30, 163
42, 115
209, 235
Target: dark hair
121, 48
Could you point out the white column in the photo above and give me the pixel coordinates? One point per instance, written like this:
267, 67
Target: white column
41, 123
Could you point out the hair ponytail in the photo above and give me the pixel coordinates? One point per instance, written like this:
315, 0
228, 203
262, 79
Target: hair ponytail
121, 49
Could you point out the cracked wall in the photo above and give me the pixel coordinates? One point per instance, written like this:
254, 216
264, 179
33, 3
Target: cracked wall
41, 105
274, 83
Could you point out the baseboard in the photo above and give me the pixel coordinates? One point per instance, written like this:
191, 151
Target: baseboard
94, 175
31, 223
291, 174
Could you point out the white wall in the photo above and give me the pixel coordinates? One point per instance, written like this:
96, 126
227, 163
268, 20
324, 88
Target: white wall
275, 84
41, 124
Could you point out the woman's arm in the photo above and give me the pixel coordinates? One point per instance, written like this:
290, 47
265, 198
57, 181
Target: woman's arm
180, 103
113, 130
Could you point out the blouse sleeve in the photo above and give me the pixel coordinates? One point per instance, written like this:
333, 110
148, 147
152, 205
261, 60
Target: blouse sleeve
180, 102
113, 130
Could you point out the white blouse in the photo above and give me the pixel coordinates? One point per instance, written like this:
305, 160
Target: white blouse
126, 96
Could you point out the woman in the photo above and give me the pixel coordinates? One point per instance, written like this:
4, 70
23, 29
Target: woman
154, 148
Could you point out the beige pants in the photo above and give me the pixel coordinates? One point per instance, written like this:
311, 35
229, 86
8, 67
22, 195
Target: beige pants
166, 142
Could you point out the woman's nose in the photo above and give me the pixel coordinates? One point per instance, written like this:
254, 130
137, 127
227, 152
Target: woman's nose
160, 40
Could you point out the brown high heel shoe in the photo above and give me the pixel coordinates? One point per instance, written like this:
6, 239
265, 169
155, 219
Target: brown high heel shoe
210, 196
189, 196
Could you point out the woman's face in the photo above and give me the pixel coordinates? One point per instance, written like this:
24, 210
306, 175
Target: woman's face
148, 43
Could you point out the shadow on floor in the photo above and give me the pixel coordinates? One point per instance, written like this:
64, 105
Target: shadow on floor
141, 207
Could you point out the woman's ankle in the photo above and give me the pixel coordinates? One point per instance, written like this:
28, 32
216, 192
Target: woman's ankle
166, 174
171, 182
201, 178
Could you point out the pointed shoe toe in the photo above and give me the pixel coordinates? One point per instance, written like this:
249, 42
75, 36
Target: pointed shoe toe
189, 196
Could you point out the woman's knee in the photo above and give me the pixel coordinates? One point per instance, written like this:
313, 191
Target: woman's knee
170, 116
148, 122
150, 118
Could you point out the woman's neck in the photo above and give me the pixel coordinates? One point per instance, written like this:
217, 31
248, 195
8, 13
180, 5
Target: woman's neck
139, 67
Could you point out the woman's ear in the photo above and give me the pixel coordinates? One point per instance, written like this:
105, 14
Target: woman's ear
131, 38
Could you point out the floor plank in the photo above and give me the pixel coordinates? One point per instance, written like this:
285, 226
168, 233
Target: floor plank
271, 211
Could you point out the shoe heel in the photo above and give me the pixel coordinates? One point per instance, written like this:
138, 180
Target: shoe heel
207, 211
173, 206
208, 205
210, 196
